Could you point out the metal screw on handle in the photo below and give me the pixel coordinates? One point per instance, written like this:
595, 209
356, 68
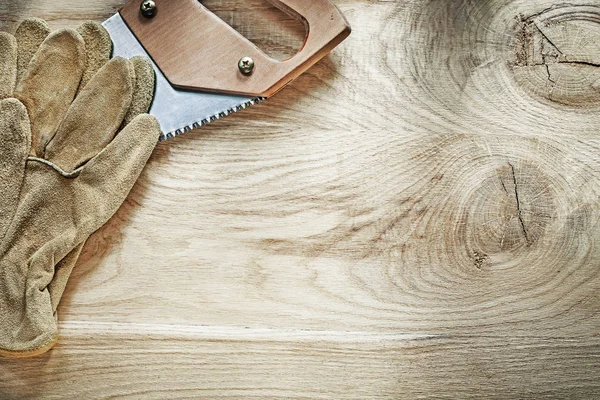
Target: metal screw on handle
148, 8
246, 65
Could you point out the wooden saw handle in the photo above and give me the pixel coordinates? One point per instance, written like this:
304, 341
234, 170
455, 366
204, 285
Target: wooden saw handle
196, 50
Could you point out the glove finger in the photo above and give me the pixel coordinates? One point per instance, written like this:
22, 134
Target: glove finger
8, 64
143, 93
62, 272
50, 83
30, 34
14, 148
94, 117
108, 177
98, 47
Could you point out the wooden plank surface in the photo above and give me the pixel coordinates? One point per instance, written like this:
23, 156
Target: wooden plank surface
416, 217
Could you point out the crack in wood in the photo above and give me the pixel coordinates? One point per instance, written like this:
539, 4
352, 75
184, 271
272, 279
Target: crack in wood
503, 185
561, 34
550, 75
519, 211
576, 62
541, 32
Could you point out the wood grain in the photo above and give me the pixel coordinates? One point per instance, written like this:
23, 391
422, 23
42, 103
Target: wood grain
133, 361
415, 217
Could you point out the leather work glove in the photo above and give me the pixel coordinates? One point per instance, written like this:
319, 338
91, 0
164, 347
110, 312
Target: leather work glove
72, 146
29, 36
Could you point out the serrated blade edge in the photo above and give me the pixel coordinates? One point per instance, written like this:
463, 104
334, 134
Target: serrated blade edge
178, 111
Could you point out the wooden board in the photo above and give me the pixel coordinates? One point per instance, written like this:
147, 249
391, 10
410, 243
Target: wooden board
184, 362
416, 217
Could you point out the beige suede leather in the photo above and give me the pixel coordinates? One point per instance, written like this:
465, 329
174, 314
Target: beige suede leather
30, 34
29, 37
56, 68
142, 97
98, 48
65, 168
8, 64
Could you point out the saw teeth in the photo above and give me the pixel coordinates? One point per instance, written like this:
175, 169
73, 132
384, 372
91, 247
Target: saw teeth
208, 120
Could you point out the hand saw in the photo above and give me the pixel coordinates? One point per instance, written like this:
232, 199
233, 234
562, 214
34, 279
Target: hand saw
205, 70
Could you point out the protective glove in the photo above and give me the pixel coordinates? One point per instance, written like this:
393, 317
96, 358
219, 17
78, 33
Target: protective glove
64, 169
29, 36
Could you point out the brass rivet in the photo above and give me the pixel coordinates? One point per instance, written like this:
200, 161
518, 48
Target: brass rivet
148, 8
246, 65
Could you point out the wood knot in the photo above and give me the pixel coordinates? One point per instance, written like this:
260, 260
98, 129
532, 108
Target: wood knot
508, 212
558, 54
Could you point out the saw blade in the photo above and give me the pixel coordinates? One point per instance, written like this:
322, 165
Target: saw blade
178, 111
